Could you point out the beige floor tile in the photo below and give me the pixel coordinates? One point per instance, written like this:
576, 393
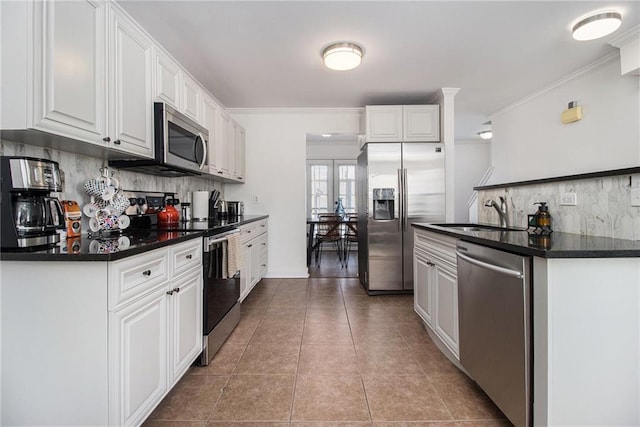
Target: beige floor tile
328, 360
464, 399
242, 332
431, 359
276, 332
403, 398
294, 283
252, 313
403, 314
327, 334
490, 423
387, 359
413, 333
224, 362
332, 424
285, 314
289, 300
326, 315
158, 423
269, 359
361, 299
365, 334
244, 424
255, 398
405, 300
192, 399
329, 398
320, 301
375, 313
352, 287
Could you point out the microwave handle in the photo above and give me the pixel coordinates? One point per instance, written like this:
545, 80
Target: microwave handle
204, 150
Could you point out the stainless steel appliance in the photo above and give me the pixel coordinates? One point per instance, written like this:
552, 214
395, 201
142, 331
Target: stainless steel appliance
30, 217
495, 326
180, 146
235, 209
221, 311
398, 183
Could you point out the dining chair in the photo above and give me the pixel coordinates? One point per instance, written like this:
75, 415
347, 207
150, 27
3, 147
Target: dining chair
328, 232
350, 235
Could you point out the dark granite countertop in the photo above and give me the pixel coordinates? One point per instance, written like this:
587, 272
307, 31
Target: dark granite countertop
555, 245
130, 242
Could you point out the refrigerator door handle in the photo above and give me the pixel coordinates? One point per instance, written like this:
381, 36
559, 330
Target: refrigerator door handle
405, 202
400, 200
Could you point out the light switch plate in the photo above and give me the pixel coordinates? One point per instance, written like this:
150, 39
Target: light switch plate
635, 197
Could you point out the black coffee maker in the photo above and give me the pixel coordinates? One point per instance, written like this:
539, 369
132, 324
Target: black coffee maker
29, 215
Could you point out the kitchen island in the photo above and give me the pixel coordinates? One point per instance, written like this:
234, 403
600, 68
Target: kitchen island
585, 320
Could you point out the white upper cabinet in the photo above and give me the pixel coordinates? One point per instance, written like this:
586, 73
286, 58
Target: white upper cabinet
130, 83
224, 135
384, 123
239, 170
167, 79
397, 123
421, 123
209, 119
191, 97
68, 69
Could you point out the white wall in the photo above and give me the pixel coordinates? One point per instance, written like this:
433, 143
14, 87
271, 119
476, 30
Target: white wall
275, 162
472, 159
529, 141
339, 150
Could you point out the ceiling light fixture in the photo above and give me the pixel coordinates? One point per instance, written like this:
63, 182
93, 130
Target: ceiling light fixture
342, 56
485, 134
597, 25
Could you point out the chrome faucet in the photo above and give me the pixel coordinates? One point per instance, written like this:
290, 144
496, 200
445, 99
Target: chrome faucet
501, 209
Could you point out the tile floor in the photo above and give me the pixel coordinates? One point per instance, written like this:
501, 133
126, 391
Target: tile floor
321, 352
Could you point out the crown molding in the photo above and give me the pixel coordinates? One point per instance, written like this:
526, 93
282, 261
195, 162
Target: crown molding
594, 65
625, 37
280, 110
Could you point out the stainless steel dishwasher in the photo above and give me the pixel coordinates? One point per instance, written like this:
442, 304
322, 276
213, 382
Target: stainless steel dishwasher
494, 293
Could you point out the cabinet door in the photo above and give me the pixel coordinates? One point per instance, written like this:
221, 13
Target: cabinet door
255, 263
185, 323
421, 123
166, 79
231, 147
138, 358
224, 126
383, 123
446, 322
130, 77
423, 279
69, 96
209, 118
191, 97
239, 170
245, 272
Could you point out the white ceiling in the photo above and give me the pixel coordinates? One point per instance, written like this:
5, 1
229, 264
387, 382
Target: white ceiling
267, 53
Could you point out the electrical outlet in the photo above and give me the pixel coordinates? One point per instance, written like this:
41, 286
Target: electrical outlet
568, 199
635, 197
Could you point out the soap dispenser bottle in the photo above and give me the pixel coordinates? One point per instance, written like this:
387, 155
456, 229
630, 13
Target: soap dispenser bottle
543, 217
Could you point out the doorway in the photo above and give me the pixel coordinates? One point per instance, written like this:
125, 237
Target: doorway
331, 176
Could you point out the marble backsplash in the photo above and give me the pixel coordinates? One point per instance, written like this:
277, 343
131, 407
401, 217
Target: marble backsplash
78, 168
603, 206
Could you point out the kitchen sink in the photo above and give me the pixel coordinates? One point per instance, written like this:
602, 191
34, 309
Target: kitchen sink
476, 227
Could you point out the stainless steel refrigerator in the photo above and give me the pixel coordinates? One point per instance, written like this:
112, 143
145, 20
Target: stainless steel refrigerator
397, 184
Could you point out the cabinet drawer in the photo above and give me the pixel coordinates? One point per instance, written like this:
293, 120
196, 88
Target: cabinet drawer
185, 256
134, 276
252, 230
440, 246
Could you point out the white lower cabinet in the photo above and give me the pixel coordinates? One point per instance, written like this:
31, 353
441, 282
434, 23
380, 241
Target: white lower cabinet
436, 286
254, 240
98, 343
155, 338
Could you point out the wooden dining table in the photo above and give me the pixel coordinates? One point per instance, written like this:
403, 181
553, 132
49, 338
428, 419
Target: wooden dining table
311, 246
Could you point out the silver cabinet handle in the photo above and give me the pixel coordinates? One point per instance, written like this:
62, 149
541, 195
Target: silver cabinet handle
250, 246
492, 267
146, 273
170, 292
430, 264
106, 139
189, 256
117, 142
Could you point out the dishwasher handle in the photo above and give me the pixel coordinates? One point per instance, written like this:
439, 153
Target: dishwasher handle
492, 267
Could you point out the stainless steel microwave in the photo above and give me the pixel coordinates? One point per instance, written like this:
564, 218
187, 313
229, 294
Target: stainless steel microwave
180, 146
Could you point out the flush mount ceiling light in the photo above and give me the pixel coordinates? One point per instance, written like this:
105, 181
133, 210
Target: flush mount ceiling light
485, 134
597, 25
342, 56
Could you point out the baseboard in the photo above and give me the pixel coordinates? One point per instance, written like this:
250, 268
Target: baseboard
287, 274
